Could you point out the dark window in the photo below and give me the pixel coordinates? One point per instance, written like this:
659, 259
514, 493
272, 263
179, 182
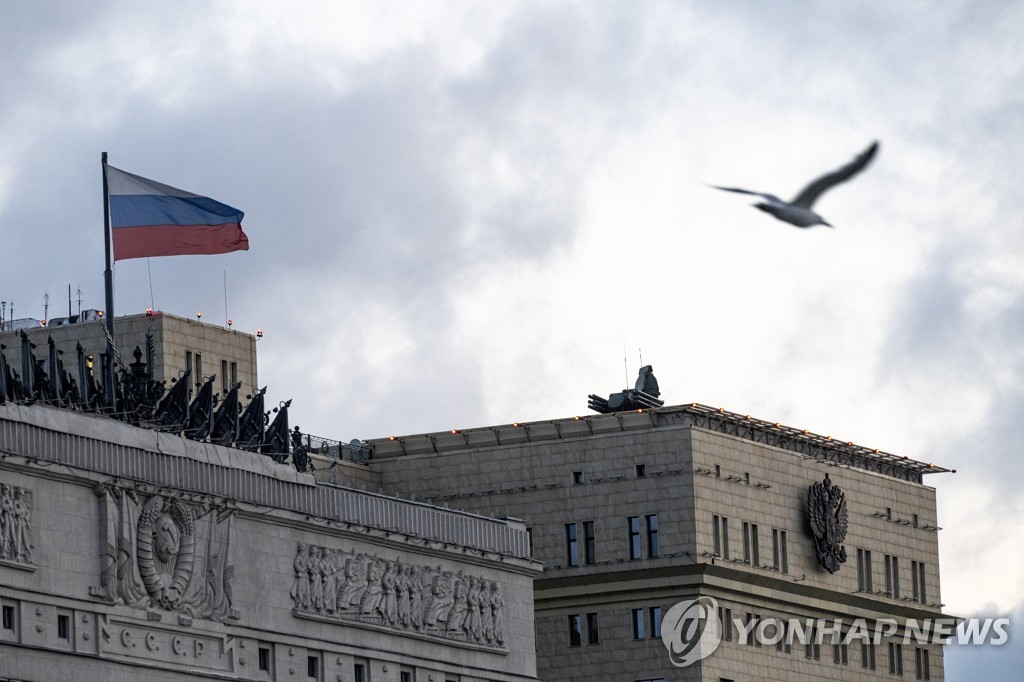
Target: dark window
784, 643
406, 676
718, 471
725, 537
589, 543
577, 478
916, 520
225, 380
652, 536
922, 669
716, 533
359, 673
840, 653
655, 614
313, 667
725, 622
634, 537
574, 630
813, 647
888, 513
917, 580
864, 570
641, 470
529, 539
198, 377
572, 549
751, 552
63, 627
234, 373
638, 623
593, 636
892, 576
8, 617
265, 659
895, 658
867, 654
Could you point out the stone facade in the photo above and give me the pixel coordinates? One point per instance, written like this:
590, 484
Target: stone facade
140, 555
179, 343
633, 512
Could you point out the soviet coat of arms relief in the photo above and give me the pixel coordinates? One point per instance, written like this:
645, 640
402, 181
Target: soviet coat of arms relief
828, 519
162, 552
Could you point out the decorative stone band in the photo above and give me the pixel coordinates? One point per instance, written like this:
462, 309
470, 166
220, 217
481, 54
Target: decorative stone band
15, 527
389, 594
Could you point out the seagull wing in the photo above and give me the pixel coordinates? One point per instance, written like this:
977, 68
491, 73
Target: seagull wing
819, 186
770, 197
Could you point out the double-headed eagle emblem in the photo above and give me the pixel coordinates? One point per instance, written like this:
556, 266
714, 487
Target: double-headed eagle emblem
827, 515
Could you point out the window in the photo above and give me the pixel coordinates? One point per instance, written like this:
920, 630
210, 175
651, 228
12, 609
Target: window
917, 580
572, 550
198, 377
406, 676
225, 380
359, 673
813, 647
655, 620
593, 637
234, 373
864, 570
63, 627
589, 543
750, 546
264, 659
895, 658
721, 536
867, 654
716, 532
640, 470
638, 623
748, 625
529, 539
313, 667
574, 630
725, 538
718, 471
922, 670
841, 653
892, 576
577, 478
785, 552
786, 642
916, 520
634, 537
652, 536
8, 617
188, 367
725, 623
888, 513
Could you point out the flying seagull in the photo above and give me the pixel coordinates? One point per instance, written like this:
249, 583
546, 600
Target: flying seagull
798, 211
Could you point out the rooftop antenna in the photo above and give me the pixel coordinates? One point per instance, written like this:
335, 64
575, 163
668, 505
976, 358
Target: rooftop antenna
226, 318
150, 269
69, 301
640, 352
79, 294
46, 304
625, 364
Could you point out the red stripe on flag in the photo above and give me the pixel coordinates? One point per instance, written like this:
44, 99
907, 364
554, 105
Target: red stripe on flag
177, 240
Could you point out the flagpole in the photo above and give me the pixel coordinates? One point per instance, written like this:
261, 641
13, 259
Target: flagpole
108, 281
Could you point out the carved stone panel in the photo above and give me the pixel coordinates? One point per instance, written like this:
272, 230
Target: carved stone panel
16, 527
361, 588
163, 553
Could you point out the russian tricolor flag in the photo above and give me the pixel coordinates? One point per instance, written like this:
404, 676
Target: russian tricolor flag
148, 218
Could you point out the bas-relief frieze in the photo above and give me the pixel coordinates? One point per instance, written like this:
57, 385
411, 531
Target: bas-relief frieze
364, 588
164, 553
15, 527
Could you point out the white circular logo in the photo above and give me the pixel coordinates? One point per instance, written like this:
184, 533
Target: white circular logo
690, 630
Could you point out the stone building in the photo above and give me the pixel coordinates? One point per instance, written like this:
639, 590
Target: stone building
130, 554
633, 512
179, 344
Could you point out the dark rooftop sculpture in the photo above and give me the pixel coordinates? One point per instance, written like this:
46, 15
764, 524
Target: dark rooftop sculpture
644, 395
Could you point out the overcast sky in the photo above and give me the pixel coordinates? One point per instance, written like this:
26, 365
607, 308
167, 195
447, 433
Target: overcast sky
466, 214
